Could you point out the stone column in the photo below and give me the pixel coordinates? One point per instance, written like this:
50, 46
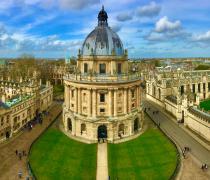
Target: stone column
125, 101
79, 100
94, 106
137, 96
196, 87
110, 102
89, 103
76, 100
129, 100
66, 96
70, 98
115, 102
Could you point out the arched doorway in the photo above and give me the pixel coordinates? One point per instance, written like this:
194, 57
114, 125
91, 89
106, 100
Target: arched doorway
7, 135
121, 130
69, 124
83, 128
102, 132
136, 125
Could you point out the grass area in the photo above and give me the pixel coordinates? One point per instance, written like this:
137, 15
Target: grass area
205, 105
202, 67
56, 156
150, 156
58, 90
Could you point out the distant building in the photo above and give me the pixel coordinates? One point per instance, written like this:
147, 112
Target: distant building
21, 102
180, 92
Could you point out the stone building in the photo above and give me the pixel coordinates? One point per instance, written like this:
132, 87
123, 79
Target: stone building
21, 102
180, 93
102, 98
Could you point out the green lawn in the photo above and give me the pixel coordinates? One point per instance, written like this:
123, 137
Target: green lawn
56, 156
205, 104
150, 156
58, 90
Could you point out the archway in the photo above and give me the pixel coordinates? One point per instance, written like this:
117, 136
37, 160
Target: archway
136, 125
7, 135
102, 132
83, 128
121, 130
69, 124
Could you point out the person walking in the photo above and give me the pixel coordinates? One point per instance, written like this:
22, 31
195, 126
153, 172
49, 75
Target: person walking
20, 174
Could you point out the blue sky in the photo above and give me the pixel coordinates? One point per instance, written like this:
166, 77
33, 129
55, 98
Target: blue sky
57, 28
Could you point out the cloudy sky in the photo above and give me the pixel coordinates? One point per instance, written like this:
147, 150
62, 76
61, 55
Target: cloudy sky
57, 28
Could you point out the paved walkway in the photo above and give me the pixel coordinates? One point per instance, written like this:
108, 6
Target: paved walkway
10, 164
181, 137
102, 163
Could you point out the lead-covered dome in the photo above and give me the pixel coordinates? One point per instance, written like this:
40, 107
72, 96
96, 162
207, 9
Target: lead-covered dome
102, 41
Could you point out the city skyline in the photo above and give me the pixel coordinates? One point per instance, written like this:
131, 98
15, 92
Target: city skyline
57, 28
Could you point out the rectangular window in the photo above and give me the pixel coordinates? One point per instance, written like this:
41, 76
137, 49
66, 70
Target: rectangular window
102, 97
182, 90
85, 68
199, 88
102, 68
102, 110
193, 87
72, 93
119, 68
208, 86
133, 93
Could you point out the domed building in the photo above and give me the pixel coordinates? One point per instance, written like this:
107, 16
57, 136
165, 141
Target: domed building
102, 98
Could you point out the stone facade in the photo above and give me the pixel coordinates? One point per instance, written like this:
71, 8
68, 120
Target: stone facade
20, 103
179, 92
102, 98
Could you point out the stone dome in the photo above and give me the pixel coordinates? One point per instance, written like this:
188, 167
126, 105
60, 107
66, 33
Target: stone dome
102, 41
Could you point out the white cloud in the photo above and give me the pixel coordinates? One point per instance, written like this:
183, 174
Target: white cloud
78, 4
164, 25
149, 10
202, 37
125, 16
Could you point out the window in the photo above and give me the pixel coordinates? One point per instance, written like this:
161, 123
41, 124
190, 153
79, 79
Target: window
119, 68
85, 67
199, 88
133, 93
193, 87
102, 110
133, 105
182, 90
102, 97
72, 93
208, 86
102, 68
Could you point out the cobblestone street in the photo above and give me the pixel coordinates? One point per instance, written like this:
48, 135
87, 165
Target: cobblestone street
10, 164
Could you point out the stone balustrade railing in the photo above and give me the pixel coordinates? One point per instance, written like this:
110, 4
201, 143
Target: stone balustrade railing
198, 113
100, 78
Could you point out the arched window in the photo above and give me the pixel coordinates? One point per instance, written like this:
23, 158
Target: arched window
136, 125
83, 128
69, 124
121, 130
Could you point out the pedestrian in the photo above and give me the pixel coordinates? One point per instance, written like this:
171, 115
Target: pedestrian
16, 152
20, 174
